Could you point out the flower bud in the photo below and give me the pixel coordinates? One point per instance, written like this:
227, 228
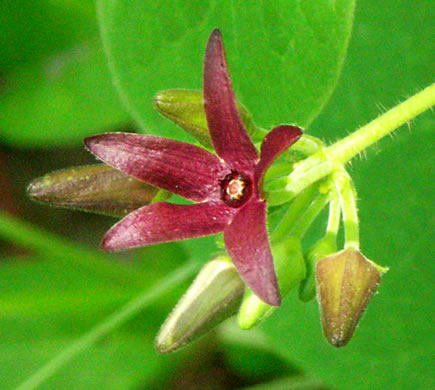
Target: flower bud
186, 109
290, 270
96, 188
345, 283
214, 296
321, 249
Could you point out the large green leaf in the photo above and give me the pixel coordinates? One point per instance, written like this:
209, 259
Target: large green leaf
45, 307
122, 360
55, 86
33, 30
284, 56
48, 302
60, 101
389, 57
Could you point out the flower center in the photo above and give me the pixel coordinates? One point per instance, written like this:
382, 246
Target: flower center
235, 189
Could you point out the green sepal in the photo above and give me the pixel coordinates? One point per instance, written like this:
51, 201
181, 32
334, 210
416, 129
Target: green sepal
290, 269
186, 109
322, 248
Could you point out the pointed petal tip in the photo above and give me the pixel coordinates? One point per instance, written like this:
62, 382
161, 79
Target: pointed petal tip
268, 293
274, 300
216, 34
228, 133
92, 142
107, 244
89, 141
215, 46
116, 238
112, 243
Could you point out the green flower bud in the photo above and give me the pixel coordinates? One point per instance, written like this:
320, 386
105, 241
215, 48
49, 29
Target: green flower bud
214, 296
345, 283
186, 109
290, 269
321, 249
96, 188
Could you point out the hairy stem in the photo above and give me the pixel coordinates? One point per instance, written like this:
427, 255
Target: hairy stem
333, 216
293, 213
347, 196
310, 215
347, 148
332, 158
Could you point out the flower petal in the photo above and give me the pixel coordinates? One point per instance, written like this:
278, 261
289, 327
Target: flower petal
276, 142
229, 136
248, 246
164, 222
178, 167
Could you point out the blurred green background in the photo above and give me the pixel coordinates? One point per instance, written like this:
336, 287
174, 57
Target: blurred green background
285, 58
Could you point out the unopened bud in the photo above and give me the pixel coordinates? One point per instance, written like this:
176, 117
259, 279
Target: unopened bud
290, 270
214, 296
186, 109
321, 249
345, 283
96, 188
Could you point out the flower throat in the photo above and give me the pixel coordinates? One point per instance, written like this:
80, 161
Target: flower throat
236, 189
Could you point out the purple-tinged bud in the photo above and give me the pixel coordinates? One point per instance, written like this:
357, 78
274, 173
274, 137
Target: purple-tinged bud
214, 296
186, 109
321, 249
95, 188
345, 283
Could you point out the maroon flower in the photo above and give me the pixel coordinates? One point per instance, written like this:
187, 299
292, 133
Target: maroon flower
228, 186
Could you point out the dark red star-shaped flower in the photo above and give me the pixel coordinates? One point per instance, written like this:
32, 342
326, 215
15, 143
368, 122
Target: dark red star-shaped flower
227, 187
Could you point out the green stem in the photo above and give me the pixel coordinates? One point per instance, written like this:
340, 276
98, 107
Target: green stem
301, 178
347, 196
334, 216
347, 148
293, 213
332, 158
112, 322
309, 216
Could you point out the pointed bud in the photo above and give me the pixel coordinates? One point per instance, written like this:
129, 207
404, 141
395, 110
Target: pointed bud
290, 269
214, 296
96, 188
345, 283
186, 109
321, 249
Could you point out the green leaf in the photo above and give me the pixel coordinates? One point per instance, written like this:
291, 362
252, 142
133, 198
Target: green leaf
55, 86
61, 100
50, 313
44, 287
284, 57
124, 359
33, 30
251, 355
393, 345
